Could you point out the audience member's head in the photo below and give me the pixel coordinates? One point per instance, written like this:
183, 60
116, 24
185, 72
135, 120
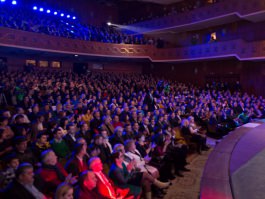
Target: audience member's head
21, 143
64, 191
48, 157
119, 148
87, 180
12, 161
130, 145
95, 164
25, 174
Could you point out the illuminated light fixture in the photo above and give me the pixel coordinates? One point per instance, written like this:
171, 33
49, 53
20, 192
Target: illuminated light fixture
55, 13
14, 2
76, 55
3, 0
109, 24
68, 16
74, 17
62, 14
41, 9
35, 7
72, 26
48, 11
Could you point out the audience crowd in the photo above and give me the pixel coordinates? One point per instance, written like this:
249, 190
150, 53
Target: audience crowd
106, 135
23, 18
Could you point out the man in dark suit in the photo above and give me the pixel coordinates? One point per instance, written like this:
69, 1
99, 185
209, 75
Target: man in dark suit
70, 137
22, 187
84, 132
149, 100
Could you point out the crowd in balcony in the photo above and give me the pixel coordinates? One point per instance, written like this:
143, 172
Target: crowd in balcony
108, 135
29, 20
177, 8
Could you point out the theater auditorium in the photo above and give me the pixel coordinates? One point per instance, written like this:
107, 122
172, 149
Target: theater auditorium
132, 99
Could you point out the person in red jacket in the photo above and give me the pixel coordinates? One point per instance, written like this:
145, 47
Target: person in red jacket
51, 174
105, 187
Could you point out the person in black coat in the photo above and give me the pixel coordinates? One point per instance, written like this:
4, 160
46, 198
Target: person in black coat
149, 100
117, 138
70, 137
22, 187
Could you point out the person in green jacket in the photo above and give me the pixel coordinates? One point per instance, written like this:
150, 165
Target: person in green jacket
58, 144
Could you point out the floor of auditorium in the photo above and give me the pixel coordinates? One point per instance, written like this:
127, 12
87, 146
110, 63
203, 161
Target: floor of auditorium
188, 187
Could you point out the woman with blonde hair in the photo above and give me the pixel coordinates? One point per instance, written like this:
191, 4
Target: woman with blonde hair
64, 191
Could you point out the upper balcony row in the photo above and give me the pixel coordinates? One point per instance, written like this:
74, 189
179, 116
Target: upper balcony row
215, 14
26, 19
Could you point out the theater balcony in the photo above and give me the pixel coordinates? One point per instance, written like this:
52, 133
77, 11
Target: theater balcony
239, 49
216, 14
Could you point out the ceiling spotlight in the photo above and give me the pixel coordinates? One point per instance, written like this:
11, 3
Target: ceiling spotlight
68, 16
35, 7
62, 14
14, 2
55, 13
3, 0
74, 17
48, 11
109, 23
41, 9
76, 55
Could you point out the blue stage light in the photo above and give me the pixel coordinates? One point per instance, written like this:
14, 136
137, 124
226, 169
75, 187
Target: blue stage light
3, 0
35, 7
48, 11
41, 9
14, 2
74, 17
55, 13
62, 14
68, 16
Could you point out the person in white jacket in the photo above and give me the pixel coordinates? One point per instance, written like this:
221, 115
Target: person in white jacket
140, 162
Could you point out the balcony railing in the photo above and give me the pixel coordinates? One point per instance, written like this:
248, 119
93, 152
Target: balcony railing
34, 41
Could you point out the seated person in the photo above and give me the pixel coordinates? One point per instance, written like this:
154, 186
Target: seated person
122, 175
144, 147
193, 136
59, 145
41, 144
146, 180
22, 151
8, 174
117, 136
141, 162
78, 162
5, 145
22, 187
104, 186
64, 191
244, 117
51, 174
87, 183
